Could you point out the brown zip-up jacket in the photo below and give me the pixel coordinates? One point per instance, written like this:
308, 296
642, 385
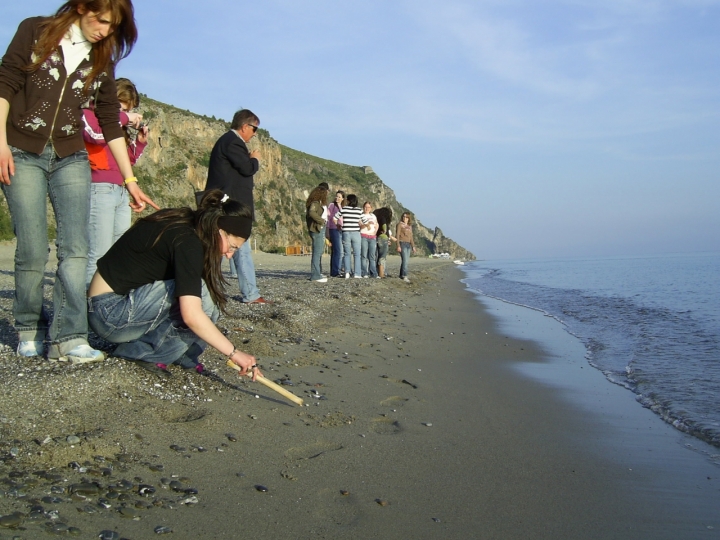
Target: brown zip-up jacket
46, 105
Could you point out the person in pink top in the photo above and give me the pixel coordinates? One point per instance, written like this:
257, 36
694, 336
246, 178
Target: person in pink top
109, 200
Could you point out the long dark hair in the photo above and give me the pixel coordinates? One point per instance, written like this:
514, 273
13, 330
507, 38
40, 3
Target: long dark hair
319, 194
205, 222
106, 52
384, 217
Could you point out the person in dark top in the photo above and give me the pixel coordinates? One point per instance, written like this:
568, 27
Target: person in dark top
159, 289
52, 67
232, 167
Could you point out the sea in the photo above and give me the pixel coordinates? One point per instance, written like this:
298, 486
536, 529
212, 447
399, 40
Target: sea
650, 324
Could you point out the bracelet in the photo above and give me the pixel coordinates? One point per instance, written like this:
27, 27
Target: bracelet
130, 180
232, 353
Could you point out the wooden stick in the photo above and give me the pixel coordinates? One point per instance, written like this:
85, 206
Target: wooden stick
267, 382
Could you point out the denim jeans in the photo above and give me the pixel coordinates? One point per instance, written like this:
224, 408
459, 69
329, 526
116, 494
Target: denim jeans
382, 247
109, 219
148, 325
67, 182
337, 252
405, 249
369, 252
246, 272
233, 270
318, 246
351, 242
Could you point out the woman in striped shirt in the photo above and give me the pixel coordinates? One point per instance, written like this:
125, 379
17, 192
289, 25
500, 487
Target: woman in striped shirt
351, 235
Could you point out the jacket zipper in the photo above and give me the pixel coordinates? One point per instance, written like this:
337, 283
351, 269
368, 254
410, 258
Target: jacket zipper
57, 110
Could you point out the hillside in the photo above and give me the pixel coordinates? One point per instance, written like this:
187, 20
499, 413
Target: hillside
175, 163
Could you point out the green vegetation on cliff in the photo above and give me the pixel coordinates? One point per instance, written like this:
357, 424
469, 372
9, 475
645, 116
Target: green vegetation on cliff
175, 163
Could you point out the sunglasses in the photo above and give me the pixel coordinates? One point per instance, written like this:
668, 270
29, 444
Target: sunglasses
254, 128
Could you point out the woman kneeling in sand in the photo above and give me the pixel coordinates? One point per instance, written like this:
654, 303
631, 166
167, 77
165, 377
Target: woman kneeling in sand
159, 289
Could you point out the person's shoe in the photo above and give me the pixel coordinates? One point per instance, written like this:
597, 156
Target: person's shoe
321, 280
197, 367
406, 280
82, 354
379, 277
259, 300
29, 349
347, 275
358, 277
366, 276
160, 370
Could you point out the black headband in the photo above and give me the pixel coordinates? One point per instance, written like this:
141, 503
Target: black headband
236, 225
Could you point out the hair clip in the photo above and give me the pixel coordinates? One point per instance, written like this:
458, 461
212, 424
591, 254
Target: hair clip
225, 198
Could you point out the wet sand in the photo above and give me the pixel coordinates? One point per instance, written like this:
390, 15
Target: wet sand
424, 419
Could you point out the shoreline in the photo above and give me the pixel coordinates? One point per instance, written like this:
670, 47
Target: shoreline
420, 424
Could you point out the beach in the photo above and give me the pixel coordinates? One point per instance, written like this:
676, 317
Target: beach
426, 417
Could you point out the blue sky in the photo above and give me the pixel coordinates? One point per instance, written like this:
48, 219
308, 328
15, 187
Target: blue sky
522, 128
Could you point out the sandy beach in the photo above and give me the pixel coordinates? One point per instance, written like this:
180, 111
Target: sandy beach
425, 417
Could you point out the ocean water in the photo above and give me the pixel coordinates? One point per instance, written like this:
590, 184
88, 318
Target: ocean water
651, 324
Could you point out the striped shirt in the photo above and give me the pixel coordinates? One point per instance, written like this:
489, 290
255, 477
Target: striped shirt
351, 217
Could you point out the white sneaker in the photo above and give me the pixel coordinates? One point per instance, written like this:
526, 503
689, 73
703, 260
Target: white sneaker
366, 276
29, 349
347, 275
82, 354
321, 280
358, 277
406, 280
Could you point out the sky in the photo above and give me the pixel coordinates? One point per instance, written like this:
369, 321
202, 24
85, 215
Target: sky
521, 128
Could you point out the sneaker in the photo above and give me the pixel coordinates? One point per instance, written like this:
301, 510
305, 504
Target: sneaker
379, 277
366, 277
199, 368
82, 354
347, 275
259, 300
358, 277
321, 280
30, 348
161, 370
406, 280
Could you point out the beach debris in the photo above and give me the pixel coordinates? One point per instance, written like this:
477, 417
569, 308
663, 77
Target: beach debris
231, 437
405, 381
146, 490
162, 529
12, 521
129, 513
178, 448
436, 520
427, 424
344, 492
382, 502
261, 488
108, 535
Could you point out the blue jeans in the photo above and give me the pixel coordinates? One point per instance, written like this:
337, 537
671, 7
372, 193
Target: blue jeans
351, 242
369, 251
109, 219
318, 246
382, 247
405, 249
147, 324
337, 252
246, 272
233, 270
67, 182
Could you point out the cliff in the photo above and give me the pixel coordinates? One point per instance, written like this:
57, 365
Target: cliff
175, 165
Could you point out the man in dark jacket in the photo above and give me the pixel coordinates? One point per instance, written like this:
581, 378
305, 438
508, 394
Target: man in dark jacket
231, 169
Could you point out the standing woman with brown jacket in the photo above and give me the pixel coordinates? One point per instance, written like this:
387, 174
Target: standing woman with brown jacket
52, 67
404, 234
316, 214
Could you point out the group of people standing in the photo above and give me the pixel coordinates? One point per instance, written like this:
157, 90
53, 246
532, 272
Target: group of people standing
359, 237
156, 288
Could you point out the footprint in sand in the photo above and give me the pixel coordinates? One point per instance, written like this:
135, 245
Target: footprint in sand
385, 426
394, 401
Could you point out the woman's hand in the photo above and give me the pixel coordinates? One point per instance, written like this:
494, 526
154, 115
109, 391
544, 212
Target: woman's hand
7, 164
142, 135
246, 362
134, 119
139, 199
